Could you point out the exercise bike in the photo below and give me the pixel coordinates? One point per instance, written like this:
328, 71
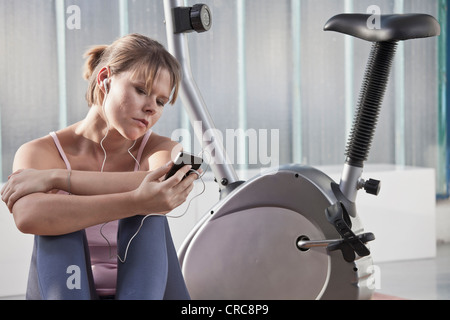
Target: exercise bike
291, 232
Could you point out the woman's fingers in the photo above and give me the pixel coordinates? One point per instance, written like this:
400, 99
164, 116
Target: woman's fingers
13, 190
163, 197
159, 173
177, 178
8, 196
6, 186
185, 187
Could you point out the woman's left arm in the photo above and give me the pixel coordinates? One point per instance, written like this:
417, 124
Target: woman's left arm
28, 181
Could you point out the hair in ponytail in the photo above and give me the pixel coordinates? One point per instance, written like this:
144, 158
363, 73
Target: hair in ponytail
93, 57
136, 53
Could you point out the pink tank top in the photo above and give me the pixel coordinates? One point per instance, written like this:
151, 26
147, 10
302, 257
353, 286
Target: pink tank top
103, 256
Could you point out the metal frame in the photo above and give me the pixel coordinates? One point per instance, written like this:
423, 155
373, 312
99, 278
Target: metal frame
194, 103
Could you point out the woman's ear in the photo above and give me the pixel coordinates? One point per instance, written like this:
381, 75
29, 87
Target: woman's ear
103, 79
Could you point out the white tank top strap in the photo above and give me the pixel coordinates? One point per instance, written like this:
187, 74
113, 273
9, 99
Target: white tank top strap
61, 150
141, 149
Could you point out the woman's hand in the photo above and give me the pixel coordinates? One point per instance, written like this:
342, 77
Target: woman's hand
155, 196
24, 182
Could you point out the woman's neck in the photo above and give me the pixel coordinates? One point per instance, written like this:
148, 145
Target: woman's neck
94, 129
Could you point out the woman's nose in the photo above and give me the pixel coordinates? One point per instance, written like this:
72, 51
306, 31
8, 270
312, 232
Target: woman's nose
150, 107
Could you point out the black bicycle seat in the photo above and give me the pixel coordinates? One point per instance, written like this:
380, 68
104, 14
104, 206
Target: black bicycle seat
392, 27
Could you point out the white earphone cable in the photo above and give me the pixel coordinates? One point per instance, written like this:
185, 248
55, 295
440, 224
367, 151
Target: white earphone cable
107, 131
200, 176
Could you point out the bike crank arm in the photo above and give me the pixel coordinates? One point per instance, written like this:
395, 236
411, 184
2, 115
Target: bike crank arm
304, 244
349, 245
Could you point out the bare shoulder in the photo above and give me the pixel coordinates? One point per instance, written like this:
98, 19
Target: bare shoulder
159, 143
38, 154
160, 150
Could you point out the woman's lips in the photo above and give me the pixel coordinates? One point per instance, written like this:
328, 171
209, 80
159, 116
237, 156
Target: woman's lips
142, 122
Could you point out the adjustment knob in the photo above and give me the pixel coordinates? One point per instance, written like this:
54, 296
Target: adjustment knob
201, 19
372, 187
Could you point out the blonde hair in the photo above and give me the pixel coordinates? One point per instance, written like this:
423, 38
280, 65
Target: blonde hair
139, 54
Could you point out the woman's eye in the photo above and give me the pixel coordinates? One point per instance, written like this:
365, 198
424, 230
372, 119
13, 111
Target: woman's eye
141, 91
161, 103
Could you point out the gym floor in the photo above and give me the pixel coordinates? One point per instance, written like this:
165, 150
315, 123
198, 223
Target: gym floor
418, 280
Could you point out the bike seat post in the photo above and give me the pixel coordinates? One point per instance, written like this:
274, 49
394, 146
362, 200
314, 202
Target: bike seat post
393, 28
366, 119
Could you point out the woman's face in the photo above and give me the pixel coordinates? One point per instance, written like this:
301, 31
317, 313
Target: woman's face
130, 108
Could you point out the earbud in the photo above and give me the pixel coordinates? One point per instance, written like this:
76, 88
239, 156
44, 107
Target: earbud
105, 85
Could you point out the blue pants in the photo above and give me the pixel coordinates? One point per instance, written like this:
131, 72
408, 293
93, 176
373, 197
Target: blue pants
61, 269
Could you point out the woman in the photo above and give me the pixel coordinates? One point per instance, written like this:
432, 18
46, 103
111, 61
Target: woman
97, 179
